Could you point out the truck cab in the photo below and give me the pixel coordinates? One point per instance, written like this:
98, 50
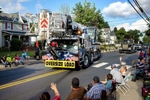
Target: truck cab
127, 46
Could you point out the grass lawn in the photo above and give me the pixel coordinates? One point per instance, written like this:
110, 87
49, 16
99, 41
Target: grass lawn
12, 53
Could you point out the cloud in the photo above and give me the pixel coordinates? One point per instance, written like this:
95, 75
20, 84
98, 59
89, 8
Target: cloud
11, 6
118, 10
22, 0
38, 7
124, 10
139, 25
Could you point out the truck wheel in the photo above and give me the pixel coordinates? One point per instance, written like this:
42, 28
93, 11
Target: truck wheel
91, 58
99, 54
86, 61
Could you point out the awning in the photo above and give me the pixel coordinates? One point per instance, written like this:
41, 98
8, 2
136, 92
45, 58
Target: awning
19, 33
13, 32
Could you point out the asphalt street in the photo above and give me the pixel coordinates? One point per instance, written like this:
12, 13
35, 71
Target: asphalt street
28, 82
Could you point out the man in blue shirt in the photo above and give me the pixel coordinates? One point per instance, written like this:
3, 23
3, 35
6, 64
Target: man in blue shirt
96, 90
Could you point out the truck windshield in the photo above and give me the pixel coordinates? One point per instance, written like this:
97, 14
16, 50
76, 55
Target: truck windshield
91, 32
128, 41
67, 45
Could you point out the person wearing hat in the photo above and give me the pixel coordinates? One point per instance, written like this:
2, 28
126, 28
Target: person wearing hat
117, 76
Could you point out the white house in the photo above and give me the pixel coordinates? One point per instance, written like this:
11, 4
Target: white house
113, 37
108, 35
105, 35
13, 26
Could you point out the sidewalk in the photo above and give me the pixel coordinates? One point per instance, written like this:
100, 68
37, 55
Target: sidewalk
30, 62
134, 92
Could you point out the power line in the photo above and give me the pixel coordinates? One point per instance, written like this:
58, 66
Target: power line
138, 12
144, 9
133, 25
141, 9
123, 19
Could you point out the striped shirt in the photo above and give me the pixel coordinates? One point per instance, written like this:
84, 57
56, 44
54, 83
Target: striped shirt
95, 91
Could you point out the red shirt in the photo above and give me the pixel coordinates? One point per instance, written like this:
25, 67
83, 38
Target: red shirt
57, 97
17, 58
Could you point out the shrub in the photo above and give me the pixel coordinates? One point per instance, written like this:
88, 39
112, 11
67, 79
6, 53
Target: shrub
15, 45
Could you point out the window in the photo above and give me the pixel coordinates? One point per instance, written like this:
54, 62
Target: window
8, 26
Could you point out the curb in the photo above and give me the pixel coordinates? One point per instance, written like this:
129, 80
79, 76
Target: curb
2, 67
108, 51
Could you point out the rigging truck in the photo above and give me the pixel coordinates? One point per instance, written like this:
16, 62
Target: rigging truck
71, 45
127, 45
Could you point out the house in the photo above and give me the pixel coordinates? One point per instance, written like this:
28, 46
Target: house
113, 37
108, 36
13, 26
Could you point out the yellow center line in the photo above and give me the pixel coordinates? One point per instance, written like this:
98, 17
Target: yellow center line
30, 79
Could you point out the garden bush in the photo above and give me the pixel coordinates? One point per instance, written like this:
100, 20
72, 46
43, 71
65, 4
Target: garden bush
15, 45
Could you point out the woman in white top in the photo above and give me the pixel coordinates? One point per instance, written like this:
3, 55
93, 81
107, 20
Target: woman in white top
123, 70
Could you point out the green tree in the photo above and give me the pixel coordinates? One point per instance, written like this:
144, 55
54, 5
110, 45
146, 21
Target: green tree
115, 29
100, 38
146, 39
136, 34
87, 15
120, 34
1, 10
147, 32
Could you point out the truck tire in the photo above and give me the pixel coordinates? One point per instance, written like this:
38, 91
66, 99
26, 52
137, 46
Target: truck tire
86, 62
91, 57
99, 54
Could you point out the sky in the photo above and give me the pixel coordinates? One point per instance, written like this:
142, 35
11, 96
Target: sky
118, 13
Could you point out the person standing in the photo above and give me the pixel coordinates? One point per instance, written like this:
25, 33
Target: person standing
37, 53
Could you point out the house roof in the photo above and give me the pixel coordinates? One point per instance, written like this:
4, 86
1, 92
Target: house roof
112, 33
5, 16
11, 17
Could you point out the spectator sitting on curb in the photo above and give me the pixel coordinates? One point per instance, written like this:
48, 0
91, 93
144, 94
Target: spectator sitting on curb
3, 61
95, 92
9, 59
18, 60
123, 70
13, 61
116, 74
140, 67
77, 91
108, 82
46, 95
26, 54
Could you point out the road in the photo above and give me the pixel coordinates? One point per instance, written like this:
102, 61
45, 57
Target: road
28, 82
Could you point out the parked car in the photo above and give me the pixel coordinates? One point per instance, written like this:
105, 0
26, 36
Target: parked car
145, 46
